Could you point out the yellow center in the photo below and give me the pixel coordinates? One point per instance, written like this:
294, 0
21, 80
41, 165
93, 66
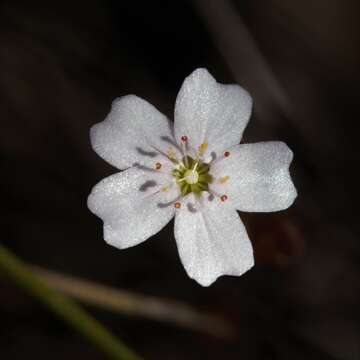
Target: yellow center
191, 177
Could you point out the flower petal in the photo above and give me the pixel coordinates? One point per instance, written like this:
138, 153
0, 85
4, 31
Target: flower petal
133, 132
212, 241
132, 206
258, 177
211, 113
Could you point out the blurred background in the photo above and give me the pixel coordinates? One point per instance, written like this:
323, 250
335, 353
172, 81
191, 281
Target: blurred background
62, 63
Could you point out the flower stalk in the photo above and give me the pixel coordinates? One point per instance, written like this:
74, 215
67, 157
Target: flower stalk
64, 308
138, 305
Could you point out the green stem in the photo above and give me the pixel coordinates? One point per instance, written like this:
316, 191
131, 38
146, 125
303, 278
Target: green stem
64, 308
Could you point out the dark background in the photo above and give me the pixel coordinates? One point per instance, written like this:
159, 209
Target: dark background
61, 65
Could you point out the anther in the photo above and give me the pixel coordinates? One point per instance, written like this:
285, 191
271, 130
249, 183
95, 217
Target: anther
224, 179
171, 153
227, 153
223, 198
202, 148
177, 205
184, 138
157, 166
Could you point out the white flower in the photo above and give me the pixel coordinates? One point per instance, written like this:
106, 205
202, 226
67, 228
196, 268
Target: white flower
193, 169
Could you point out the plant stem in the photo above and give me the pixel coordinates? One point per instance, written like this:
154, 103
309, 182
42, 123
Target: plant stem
64, 308
132, 304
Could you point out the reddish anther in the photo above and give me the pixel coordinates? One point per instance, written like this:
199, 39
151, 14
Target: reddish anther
223, 198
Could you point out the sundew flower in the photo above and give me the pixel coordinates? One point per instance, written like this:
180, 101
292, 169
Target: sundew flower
193, 169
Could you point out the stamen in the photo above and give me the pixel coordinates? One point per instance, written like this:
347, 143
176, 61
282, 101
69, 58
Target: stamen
158, 166
177, 205
164, 189
184, 149
171, 153
213, 194
186, 160
223, 198
179, 166
167, 204
227, 153
202, 148
224, 179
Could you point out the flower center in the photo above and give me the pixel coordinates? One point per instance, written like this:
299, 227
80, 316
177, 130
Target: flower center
192, 175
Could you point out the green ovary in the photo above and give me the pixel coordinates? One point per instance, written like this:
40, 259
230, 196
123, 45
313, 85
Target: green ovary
192, 176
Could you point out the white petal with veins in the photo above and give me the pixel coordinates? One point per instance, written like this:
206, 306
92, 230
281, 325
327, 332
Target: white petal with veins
212, 241
132, 133
207, 111
132, 205
259, 178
